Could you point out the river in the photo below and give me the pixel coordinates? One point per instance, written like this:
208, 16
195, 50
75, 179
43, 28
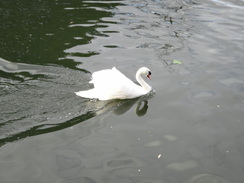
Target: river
189, 130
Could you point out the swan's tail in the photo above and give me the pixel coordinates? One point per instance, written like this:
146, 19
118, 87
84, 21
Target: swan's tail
87, 94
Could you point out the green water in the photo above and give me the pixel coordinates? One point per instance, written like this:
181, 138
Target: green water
38, 32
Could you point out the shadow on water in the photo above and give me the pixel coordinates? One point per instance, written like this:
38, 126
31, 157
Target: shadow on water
47, 128
37, 35
118, 107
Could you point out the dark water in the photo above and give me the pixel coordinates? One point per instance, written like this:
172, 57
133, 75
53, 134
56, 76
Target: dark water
190, 130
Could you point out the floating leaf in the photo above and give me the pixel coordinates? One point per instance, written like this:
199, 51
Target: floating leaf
177, 62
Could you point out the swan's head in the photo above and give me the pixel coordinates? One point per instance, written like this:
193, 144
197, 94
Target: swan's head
145, 71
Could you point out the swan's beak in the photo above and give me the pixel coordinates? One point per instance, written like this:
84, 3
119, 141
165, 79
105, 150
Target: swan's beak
149, 76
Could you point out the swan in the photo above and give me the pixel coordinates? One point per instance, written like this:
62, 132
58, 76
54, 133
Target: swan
112, 84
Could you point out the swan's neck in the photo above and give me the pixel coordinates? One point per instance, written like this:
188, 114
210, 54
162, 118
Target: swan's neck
142, 82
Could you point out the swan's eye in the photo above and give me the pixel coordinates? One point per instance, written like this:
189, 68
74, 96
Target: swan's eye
149, 74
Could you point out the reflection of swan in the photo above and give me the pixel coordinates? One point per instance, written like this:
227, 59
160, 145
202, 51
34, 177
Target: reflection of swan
141, 111
126, 106
112, 84
120, 107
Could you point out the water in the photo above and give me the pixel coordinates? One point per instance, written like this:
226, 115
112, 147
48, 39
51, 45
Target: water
190, 130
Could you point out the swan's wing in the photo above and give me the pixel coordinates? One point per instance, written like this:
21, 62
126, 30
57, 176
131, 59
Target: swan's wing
107, 74
109, 78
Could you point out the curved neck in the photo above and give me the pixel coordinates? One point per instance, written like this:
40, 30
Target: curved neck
142, 82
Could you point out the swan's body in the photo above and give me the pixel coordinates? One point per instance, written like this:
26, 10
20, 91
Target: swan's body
112, 84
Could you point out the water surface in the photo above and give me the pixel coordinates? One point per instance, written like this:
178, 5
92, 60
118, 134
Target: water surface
190, 130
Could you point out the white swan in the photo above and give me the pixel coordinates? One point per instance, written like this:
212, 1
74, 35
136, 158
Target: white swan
112, 84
